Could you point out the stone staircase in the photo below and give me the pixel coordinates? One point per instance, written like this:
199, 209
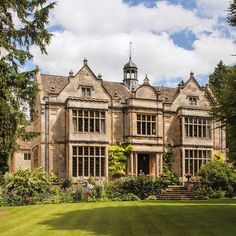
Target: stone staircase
176, 192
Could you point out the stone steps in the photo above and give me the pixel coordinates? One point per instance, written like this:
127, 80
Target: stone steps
177, 193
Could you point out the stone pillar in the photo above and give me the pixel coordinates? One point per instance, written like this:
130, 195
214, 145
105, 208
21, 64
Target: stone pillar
132, 163
161, 163
107, 164
69, 160
136, 163
183, 165
157, 165
182, 127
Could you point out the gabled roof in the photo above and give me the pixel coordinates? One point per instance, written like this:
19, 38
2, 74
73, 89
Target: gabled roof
53, 83
166, 93
117, 90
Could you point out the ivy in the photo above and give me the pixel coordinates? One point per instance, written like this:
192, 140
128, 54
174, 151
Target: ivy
118, 155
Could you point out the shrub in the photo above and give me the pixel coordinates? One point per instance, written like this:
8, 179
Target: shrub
141, 186
77, 195
151, 198
216, 179
66, 183
23, 185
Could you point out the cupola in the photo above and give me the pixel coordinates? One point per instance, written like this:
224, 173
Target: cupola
130, 74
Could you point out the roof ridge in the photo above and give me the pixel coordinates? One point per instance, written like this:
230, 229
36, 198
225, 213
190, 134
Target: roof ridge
54, 75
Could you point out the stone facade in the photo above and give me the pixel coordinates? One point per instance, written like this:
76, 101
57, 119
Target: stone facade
79, 116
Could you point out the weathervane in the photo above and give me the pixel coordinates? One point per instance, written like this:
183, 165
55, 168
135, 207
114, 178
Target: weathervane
130, 50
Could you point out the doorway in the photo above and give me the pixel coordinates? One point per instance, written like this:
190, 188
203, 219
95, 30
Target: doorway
143, 163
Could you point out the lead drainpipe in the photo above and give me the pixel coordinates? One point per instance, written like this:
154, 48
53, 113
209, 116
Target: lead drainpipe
46, 134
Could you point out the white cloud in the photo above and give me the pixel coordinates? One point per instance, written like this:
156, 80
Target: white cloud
101, 30
213, 7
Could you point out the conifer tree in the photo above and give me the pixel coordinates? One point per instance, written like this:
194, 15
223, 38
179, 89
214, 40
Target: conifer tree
232, 13
223, 85
22, 25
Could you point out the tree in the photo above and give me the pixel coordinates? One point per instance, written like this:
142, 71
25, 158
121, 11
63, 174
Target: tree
232, 13
118, 155
22, 25
223, 86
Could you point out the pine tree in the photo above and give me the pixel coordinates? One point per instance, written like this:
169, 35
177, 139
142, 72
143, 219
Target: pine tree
232, 13
22, 25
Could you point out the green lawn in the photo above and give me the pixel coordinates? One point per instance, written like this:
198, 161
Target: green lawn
122, 218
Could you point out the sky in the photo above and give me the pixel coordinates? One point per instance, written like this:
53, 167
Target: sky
170, 38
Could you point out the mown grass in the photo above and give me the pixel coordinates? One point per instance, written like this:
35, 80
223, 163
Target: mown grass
122, 218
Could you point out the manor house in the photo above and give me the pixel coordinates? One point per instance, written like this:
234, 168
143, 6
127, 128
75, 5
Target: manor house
81, 114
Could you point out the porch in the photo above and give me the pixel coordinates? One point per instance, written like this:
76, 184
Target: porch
144, 162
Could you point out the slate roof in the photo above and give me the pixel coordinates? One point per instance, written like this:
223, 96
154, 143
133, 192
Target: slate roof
117, 90
166, 93
53, 83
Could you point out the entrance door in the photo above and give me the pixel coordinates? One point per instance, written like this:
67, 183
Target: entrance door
143, 163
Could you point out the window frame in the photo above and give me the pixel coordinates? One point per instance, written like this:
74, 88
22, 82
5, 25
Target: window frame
197, 127
195, 158
89, 121
86, 91
88, 161
27, 156
146, 124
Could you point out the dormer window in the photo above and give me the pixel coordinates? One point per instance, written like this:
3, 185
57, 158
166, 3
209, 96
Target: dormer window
192, 100
86, 91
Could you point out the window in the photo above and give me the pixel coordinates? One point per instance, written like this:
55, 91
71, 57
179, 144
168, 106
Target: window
27, 156
88, 161
89, 121
192, 100
194, 159
86, 91
197, 127
146, 124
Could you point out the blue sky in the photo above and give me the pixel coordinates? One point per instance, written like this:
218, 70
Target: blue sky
170, 38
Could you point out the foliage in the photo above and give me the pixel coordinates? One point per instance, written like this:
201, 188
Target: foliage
26, 184
223, 86
168, 173
151, 198
66, 183
141, 186
232, 13
77, 195
118, 155
219, 156
216, 179
22, 25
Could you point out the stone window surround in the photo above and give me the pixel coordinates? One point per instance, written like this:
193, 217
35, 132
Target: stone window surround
89, 121
192, 100
88, 161
195, 158
197, 127
27, 156
146, 124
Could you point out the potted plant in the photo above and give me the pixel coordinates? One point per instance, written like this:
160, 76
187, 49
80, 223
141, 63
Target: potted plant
188, 176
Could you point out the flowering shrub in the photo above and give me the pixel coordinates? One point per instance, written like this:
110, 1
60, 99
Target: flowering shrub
23, 185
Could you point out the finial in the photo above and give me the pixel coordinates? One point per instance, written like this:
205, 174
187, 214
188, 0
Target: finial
191, 75
85, 61
99, 76
181, 84
130, 50
146, 80
71, 73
